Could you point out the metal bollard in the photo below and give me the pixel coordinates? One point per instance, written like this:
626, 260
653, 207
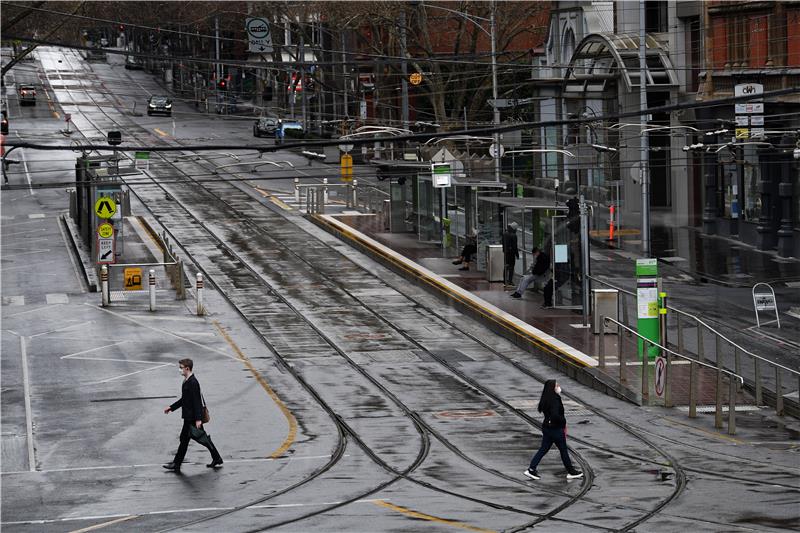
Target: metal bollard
200, 309
732, 406
355, 194
152, 286
718, 407
297, 190
645, 376
602, 339
324, 190
693, 367
104, 285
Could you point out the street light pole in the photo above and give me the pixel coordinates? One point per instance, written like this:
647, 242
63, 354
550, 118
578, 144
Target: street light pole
644, 172
496, 115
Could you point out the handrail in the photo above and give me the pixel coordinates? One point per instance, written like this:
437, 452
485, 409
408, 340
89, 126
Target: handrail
709, 328
682, 356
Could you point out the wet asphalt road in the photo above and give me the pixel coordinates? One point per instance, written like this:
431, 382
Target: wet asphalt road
343, 399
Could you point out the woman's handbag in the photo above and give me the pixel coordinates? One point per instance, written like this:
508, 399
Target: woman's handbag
206, 416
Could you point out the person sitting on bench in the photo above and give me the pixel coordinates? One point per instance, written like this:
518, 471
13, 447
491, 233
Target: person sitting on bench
536, 273
469, 250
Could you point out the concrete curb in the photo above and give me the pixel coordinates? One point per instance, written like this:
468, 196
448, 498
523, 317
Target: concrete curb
87, 267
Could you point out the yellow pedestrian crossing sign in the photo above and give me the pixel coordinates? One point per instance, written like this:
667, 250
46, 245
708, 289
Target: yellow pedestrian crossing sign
105, 207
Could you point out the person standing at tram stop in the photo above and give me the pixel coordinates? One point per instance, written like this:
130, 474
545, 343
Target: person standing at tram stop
554, 430
510, 253
191, 404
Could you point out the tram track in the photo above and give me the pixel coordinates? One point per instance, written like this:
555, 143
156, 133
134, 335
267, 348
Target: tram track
679, 471
346, 429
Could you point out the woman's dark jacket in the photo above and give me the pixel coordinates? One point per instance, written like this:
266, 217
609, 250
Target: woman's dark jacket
554, 414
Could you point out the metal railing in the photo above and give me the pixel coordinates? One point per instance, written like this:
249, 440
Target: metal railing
694, 365
720, 343
367, 198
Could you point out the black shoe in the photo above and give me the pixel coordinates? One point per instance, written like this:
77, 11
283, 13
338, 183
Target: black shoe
172, 467
464, 268
546, 306
515, 294
457, 262
574, 474
214, 463
533, 474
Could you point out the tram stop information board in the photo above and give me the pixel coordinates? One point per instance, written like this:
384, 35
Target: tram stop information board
647, 304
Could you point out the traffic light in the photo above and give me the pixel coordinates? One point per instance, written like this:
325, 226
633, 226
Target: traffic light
222, 84
121, 28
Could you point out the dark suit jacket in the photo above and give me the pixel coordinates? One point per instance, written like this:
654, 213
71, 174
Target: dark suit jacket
190, 403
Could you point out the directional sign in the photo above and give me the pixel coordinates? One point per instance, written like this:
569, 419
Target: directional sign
258, 35
105, 230
105, 251
105, 207
133, 279
661, 375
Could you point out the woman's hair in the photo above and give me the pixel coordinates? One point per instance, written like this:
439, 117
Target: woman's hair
548, 395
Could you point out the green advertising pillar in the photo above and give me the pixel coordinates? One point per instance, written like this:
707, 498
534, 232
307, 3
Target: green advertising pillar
647, 305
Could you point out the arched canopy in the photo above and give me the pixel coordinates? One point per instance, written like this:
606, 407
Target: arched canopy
601, 57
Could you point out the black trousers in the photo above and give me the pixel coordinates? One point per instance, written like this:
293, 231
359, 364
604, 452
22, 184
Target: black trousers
508, 274
186, 435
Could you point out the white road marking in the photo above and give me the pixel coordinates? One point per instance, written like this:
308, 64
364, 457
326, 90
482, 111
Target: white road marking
132, 373
56, 298
62, 329
154, 465
37, 215
174, 511
28, 175
26, 388
73, 355
165, 332
14, 300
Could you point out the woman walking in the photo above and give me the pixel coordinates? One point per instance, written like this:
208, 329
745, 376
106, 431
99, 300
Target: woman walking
554, 430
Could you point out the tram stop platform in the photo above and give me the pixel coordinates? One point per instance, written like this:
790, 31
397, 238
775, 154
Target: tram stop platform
559, 336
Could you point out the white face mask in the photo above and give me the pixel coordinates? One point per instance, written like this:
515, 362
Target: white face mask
558, 389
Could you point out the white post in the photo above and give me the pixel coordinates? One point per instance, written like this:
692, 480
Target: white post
152, 285
324, 190
297, 190
200, 309
104, 285
355, 194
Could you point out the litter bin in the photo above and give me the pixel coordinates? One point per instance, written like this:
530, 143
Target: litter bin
605, 303
495, 262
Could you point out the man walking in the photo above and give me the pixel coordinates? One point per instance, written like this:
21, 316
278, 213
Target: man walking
191, 404
536, 273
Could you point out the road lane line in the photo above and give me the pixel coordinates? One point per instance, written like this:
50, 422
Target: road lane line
105, 524
275, 398
27, 172
69, 356
176, 511
154, 465
160, 132
423, 516
132, 373
26, 388
165, 332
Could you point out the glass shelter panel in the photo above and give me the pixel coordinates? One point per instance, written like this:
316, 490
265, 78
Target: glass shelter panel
565, 260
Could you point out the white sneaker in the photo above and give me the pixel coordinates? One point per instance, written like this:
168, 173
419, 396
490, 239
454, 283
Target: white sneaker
533, 474
574, 474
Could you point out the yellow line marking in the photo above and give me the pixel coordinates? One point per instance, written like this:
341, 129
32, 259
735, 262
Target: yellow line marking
423, 516
105, 524
487, 313
706, 431
160, 132
277, 201
282, 406
149, 231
